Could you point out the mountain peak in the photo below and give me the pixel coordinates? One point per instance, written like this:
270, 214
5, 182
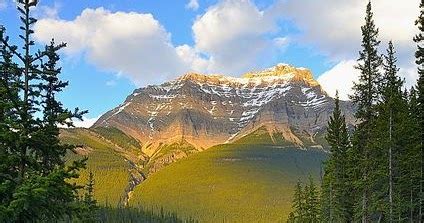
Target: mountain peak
279, 72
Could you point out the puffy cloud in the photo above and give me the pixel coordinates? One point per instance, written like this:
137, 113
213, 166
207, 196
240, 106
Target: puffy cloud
132, 43
340, 78
229, 38
343, 75
192, 58
193, 5
334, 25
233, 33
86, 122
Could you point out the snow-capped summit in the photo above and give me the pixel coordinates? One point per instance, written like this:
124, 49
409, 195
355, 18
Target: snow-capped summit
277, 74
206, 110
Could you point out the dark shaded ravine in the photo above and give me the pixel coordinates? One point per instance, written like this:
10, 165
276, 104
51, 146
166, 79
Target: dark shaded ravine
136, 178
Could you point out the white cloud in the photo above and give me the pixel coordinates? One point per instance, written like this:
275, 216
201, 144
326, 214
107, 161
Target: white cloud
340, 78
343, 75
190, 56
230, 37
193, 5
133, 44
334, 25
233, 34
86, 122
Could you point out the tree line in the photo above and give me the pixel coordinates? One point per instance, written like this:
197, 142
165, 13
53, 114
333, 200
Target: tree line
375, 173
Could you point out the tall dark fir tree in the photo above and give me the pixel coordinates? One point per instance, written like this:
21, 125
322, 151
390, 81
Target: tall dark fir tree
337, 199
34, 180
391, 141
365, 97
419, 39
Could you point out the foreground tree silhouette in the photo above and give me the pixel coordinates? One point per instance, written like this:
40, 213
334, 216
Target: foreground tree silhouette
337, 200
365, 97
419, 54
34, 180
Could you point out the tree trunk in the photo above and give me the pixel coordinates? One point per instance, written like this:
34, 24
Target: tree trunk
411, 204
420, 214
390, 169
364, 204
331, 202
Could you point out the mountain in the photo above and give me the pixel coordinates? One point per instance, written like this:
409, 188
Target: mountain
211, 147
283, 104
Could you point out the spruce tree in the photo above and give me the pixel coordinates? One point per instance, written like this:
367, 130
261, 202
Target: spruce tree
312, 203
34, 179
419, 39
327, 192
411, 164
336, 196
299, 203
365, 97
391, 140
89, 202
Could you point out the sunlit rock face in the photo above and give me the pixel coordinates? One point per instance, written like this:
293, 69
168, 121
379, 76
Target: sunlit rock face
206, 110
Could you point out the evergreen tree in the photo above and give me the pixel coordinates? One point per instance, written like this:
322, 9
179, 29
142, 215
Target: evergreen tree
90, 204
365, 97
312, 203
34, 180
337, 198
327, 192
419, 39
391, 140
299, 203
306, 203
408, 187
89, 195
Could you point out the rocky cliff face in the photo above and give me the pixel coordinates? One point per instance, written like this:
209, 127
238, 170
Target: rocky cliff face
206, 110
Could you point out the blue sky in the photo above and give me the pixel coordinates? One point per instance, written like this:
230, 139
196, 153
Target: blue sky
117, 46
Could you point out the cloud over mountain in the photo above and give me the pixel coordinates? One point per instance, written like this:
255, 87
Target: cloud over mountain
229, 38
333, 27
132, 43
232, 36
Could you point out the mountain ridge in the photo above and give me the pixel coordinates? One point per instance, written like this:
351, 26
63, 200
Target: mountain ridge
208, 110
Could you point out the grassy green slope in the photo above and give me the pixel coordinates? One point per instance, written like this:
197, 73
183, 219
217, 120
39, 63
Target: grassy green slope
235, 183
109, 167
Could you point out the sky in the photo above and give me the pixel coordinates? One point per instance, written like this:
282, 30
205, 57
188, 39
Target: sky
116, 46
